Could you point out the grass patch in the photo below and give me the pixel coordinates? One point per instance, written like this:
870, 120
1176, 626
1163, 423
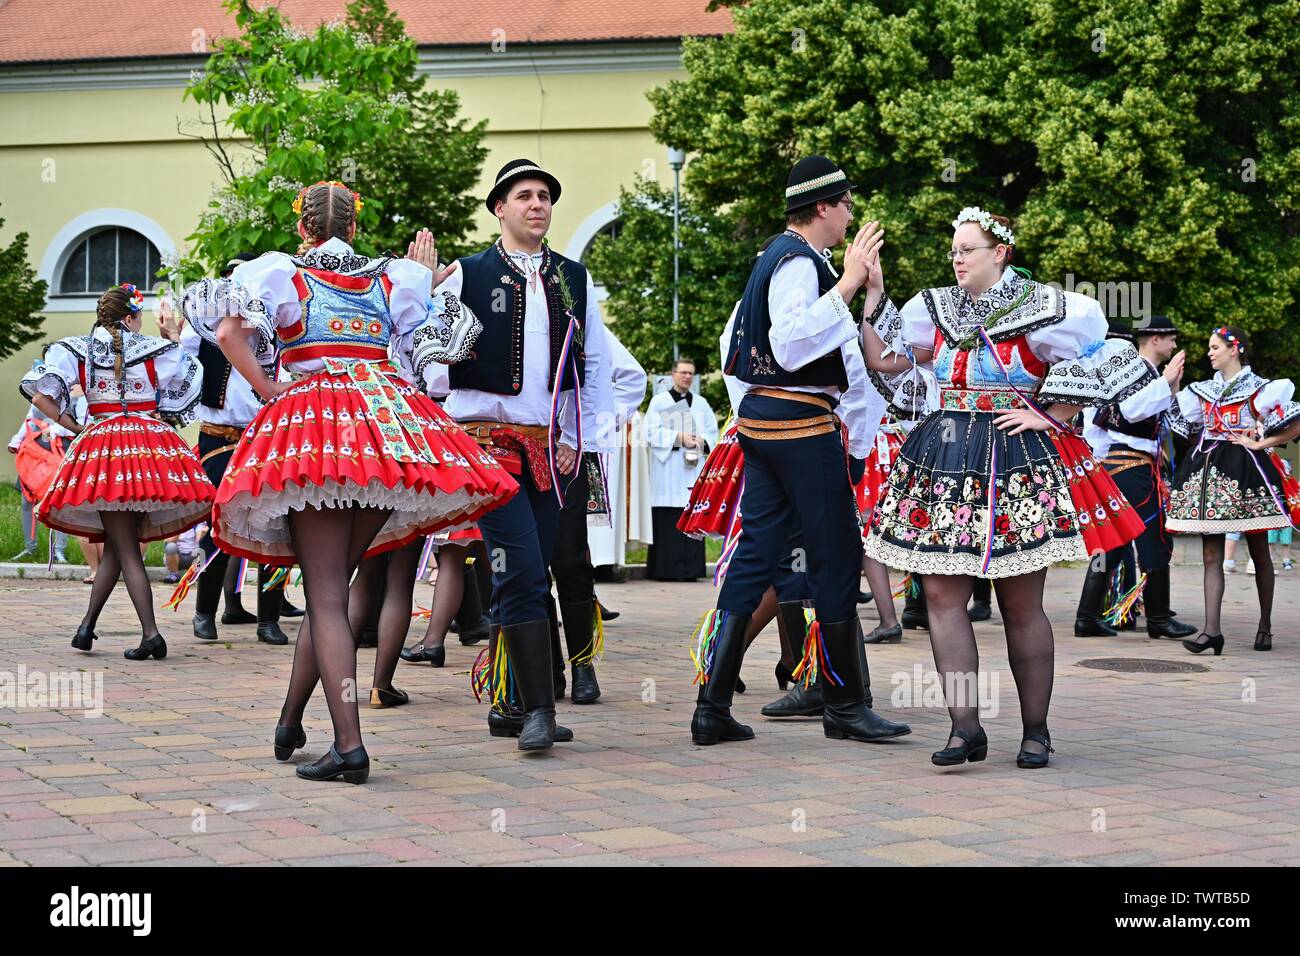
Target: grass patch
11, 535
712, 551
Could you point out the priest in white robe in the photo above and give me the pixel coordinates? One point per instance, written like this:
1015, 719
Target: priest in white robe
680, 430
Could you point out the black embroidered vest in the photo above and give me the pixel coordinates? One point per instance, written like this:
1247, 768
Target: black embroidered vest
749, 357
494, 288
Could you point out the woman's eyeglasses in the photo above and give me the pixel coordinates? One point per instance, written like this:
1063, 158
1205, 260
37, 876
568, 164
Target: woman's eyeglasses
964, 252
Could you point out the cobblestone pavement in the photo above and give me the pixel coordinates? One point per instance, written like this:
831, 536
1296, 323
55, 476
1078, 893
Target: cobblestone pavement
1152, 768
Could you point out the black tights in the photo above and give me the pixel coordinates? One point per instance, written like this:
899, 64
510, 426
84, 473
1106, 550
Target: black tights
329, 543
395, 615
1212, 555
122, 557
448, 592
881, 592
1029, 648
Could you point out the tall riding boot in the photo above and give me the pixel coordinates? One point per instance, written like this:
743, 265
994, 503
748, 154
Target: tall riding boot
1160, 620
557, 654
580, 637
866, 671
208, 595
847, 716
508, 720
529, 649
712, 721
915, 615
268, 608
799, 701
1087, 619
472, 626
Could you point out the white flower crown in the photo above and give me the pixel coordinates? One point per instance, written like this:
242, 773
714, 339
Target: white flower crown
986, 220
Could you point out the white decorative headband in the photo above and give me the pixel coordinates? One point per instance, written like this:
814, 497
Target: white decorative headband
986, 220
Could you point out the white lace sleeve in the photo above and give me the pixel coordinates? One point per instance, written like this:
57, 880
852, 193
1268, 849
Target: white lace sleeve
180, 385
262, 292
54, 376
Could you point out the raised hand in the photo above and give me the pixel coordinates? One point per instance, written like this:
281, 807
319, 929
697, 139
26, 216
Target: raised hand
424, 250
1174, 370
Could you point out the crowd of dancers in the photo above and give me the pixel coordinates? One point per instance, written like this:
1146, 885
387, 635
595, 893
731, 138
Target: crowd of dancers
358, 413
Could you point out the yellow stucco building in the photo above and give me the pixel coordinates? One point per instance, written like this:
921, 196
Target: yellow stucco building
94, 169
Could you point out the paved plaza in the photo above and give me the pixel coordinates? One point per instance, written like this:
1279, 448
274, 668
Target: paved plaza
1198, 768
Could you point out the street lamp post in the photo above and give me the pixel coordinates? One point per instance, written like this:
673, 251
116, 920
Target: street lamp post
676, 159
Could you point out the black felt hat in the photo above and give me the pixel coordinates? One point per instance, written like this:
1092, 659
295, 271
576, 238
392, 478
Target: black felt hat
1156, 325
520, 169
814, 179
1119, 329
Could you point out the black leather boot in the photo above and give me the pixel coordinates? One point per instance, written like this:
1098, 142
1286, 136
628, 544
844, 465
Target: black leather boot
557, 653
471, 625
508, 720
205, 627
797, 702
981, 606
269, 604
234, 612
580, 638
915, 615
529, 648
1087, 619
85, 638
846, 715
1155, 599
712, 721
862, 661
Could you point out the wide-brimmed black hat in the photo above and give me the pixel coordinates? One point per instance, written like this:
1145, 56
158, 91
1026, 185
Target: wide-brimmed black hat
520, 169
814, 179
1156, 325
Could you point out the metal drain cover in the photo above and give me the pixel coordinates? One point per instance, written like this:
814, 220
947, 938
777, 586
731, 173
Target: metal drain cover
1142, 665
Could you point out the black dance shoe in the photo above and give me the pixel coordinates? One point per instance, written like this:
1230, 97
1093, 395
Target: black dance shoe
502, 725
740, 687
980, 611
1263, 640
353, 766
380, 699
783, 675
1027, 760
856, 721
473, 635
606, 614
268, 632
84, 638
154, 647
239, 616
712, 724
422, 654
205, 627
288, 739
885, 635
1212, 641
973, 748
288, 610
865, 597
914, 618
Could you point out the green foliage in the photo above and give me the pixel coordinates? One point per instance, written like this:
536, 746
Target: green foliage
343, 102
22, 297
1129, 140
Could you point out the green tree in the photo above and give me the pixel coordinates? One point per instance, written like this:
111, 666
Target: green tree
22, 297
342, 102
712, 266
1129, 141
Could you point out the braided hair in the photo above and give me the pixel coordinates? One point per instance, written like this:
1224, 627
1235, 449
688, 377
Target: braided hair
328, 212
114, 307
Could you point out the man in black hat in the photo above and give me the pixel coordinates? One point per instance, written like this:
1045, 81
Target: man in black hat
794, 350
1127, 436
541, 357
227, 405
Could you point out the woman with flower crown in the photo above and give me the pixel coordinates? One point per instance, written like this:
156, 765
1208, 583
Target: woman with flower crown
1232, 480
350, 459
993, 484
127, 477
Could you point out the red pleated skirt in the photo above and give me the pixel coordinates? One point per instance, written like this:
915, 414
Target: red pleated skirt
1106, 519
715, 496
320, 445
128, 463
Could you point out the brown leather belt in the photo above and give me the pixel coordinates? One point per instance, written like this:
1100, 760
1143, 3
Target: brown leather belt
228, 432
808, 398
763, 430
1122, 460
481, 432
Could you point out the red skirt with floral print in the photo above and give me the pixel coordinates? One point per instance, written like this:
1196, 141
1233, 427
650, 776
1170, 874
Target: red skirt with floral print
715, 496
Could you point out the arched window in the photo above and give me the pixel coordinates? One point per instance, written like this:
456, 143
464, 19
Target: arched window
611, 230
109, 257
